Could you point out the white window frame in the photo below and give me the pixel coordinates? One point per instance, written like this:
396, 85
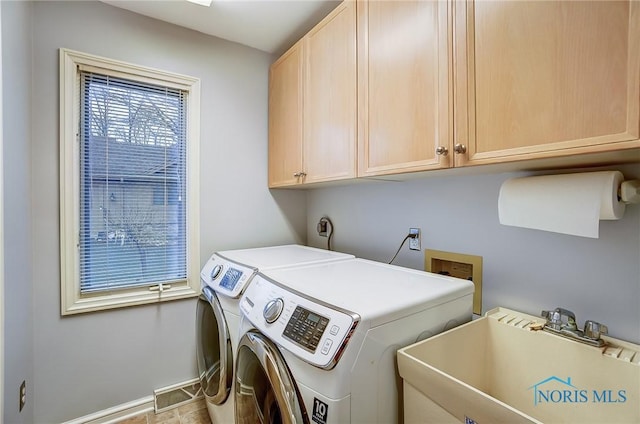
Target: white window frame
72, 300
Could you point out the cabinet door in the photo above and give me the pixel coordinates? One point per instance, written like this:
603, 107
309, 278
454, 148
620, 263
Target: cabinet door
404, 86
537, 79
285, 118
330, 97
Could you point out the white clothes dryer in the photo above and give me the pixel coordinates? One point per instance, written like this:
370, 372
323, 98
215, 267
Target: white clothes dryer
224, 278
319, 342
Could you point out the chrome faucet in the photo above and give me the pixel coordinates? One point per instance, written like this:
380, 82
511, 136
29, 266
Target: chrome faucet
563, 322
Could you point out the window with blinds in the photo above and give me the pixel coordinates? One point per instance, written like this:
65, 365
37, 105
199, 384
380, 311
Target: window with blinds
129, 192
132, 183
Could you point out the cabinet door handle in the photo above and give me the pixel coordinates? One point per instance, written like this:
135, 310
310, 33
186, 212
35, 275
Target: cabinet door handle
460, 148
442, 151
297, 174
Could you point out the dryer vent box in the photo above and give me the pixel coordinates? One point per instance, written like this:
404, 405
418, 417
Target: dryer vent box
459, 265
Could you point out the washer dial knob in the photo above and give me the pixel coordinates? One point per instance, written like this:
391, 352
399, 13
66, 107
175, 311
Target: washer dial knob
273, 309
216, 271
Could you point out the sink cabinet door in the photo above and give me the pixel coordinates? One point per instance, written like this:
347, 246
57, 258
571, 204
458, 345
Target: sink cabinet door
537, 79
285, 118
330, 112
404, 86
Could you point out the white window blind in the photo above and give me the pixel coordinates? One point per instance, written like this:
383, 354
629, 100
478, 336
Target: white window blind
132, 184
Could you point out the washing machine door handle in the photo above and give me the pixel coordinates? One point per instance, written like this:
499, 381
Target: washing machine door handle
256, 347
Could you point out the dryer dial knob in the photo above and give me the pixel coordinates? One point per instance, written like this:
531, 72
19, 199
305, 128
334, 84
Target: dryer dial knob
216, 271
272, 310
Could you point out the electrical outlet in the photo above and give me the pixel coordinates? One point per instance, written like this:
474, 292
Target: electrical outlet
414, 240
23, 394
322, 227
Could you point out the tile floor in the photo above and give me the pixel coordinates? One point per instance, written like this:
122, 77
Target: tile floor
191, 413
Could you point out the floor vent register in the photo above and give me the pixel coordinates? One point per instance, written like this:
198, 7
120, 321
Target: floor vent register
176, 395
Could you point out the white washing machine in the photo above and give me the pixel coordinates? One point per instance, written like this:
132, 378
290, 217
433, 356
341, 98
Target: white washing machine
319, 342
224, 278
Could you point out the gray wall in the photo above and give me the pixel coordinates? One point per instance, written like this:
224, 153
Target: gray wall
524, 269
83, 364
16, 70
86, 363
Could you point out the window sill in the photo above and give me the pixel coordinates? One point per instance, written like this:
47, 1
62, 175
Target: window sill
124, 298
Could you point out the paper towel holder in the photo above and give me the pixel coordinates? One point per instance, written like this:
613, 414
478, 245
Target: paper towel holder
629, 191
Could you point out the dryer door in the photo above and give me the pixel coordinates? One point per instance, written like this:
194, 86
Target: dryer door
265, 390
215, 362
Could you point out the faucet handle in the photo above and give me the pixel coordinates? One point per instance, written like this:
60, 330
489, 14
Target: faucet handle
554, 318
594, 330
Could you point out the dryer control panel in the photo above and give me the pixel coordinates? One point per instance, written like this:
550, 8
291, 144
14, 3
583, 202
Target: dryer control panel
226, 276
316, 332
305, 328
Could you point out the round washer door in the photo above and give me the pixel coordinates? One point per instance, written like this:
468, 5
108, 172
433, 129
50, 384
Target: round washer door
265, 390
215, 361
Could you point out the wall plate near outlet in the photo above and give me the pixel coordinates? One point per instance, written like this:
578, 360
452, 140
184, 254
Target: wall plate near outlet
414, 239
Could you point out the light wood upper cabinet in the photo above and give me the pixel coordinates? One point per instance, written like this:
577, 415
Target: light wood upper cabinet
537, 79
315, 85
285, 118
330, 108
404, 78
439, 84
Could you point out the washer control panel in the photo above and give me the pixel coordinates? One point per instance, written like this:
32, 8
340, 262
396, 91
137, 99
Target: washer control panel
316, 332
225, 276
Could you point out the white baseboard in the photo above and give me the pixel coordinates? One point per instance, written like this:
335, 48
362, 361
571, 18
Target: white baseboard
117, 413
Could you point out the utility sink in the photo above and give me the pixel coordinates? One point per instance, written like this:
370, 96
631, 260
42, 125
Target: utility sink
498, 370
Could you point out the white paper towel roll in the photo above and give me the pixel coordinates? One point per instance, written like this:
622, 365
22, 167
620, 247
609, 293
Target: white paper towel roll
568, 203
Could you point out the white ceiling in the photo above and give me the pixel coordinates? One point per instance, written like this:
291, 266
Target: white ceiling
268, 25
